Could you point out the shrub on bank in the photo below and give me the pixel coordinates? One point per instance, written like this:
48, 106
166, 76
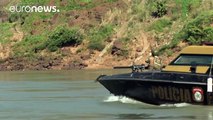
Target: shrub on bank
160, 9
61, 37
194, 32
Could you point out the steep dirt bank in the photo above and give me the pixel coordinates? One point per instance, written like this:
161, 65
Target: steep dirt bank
140, 51
69, 57
92, 34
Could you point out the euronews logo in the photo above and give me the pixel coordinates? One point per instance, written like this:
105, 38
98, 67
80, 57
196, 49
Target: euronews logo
30, 9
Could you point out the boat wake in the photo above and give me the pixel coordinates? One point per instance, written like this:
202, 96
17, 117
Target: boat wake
175, 105
123, 99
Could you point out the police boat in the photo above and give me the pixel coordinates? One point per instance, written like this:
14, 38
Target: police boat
187, 79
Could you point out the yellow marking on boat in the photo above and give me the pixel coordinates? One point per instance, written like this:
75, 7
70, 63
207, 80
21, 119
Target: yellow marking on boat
204, 50
175, 68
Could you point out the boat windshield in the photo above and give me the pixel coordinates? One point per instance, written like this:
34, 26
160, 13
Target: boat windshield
184, 59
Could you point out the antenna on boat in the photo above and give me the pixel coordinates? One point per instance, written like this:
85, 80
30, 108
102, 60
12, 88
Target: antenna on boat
210, 72
209, 80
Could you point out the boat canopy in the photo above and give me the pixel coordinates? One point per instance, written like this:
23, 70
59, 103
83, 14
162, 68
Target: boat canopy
204, 50
199, 56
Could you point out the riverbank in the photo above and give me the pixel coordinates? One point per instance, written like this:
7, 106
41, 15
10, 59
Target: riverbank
58, 63
94, 34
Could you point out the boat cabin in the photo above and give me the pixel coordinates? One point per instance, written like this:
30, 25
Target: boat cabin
195, 59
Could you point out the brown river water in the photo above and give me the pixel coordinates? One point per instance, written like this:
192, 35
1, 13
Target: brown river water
74, 95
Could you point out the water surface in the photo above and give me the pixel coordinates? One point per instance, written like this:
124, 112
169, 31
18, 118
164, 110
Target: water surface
74, 95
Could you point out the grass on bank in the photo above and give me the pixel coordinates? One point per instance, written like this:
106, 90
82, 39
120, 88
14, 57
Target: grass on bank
60, 37
176, 11
26, 48
194, 32
97, 37
5, 32
159, 25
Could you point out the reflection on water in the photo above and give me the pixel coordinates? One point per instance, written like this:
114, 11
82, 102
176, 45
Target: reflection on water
73, 95
134, 116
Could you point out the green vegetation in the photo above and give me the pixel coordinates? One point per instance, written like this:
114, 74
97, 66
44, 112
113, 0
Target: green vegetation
196, 31
82, 4
160, 24
37, 28
159, 9
75, 4
27, 47
167, 21
98, 36
187, 6
34, 2
16, 17
111, 0
5, 32
199, 29
63, 36
150, 8
196, 25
